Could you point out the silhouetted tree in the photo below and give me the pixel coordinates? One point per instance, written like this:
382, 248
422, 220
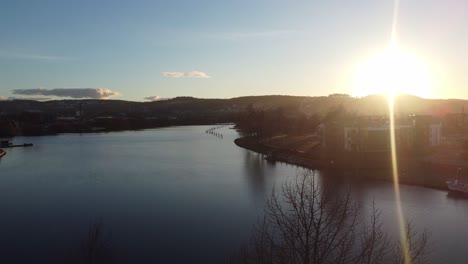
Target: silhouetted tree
337, 114
265, 124
306, 224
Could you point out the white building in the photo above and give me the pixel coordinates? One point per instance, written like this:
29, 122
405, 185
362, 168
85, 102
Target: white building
435, 134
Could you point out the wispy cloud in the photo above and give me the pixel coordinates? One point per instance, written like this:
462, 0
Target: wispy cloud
93, 93
28, 56
238, 36
156, 98
192, 74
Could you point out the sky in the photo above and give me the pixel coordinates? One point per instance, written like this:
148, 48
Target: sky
132, 50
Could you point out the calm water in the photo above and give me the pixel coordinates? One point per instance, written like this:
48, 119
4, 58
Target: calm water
173, 195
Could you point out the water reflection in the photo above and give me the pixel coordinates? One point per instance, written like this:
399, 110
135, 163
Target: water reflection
457, 196
256, 170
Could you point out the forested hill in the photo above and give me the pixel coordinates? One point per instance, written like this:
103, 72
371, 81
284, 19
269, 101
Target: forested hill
370, 105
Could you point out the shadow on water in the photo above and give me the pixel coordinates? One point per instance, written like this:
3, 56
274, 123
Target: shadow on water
90, 247
457, 196
338, 180
260, 173
359, 182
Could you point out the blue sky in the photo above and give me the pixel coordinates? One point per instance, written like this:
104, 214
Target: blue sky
245, 47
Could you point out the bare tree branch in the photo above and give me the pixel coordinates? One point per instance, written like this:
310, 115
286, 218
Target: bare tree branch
308, 224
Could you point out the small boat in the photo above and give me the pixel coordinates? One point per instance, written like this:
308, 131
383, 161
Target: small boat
5, 143
458, 185
2, 153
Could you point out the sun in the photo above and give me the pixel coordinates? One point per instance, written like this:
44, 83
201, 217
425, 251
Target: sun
393, 72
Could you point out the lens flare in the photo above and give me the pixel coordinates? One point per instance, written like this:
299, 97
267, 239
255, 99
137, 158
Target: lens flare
396, 186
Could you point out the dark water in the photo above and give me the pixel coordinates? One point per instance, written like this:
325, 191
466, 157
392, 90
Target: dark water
172, 195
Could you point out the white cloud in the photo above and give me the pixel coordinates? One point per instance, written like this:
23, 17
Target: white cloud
258, 34
254, 35
156, 98
192, 74
93, 93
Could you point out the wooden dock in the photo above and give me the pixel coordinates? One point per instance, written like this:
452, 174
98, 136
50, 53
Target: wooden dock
17, 146
7, 144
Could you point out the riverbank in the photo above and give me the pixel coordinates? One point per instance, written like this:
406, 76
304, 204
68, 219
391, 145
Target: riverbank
52, 131
377, 167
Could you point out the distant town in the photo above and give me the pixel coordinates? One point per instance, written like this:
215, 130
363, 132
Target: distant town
27, 117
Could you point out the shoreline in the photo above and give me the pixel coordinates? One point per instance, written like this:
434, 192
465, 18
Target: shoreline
104, 130
416, 173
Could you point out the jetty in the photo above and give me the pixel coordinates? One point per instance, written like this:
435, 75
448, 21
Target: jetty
7, 144
212, 131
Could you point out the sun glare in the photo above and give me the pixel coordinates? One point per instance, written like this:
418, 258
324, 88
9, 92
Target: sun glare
393, 72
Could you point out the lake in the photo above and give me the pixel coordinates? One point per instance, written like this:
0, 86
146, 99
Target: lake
174, 195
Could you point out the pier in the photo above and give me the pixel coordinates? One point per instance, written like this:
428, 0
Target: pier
212, 131
7, 144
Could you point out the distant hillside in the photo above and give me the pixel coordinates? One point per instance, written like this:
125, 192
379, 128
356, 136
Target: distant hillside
370, 105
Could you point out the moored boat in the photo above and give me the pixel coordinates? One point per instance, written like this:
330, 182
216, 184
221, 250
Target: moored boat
5, 143
457, 185
2, 153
